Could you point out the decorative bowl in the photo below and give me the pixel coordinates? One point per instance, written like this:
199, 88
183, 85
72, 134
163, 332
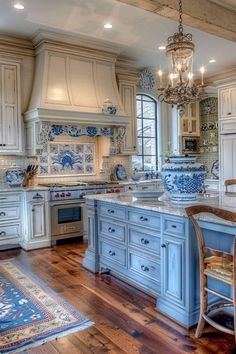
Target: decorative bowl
183, 178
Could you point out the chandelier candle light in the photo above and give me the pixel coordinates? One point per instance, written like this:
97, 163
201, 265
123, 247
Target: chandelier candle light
181, 89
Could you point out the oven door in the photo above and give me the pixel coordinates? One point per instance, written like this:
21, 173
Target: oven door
66, 219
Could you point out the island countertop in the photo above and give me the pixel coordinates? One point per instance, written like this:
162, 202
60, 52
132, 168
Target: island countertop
164, 205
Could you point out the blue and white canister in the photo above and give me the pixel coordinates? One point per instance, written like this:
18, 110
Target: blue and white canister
108, 107
183, 178
15, 176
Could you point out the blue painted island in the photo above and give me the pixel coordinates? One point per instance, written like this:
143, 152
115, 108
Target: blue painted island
151, 244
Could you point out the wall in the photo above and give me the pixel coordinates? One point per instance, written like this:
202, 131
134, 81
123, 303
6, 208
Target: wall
209, 135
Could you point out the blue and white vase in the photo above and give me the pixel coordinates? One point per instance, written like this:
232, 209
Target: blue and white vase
183, 178
15, 176
108, 107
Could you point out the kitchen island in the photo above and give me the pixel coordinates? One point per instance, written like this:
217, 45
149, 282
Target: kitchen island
151, 244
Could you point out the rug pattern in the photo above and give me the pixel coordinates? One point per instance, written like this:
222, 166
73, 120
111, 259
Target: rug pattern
30, 312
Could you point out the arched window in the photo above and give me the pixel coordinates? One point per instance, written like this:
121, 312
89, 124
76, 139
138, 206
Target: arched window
146, 159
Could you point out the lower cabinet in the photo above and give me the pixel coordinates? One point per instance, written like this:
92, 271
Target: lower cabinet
36, 222
10, 219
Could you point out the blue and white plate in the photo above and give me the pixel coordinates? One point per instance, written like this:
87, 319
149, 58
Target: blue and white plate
120, 172
215, 169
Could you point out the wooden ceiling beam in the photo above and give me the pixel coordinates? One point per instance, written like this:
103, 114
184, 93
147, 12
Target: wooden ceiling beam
204, 15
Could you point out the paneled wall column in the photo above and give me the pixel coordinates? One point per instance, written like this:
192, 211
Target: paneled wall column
127, 88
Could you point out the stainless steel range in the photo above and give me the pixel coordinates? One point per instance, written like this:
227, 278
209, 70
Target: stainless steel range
67, 205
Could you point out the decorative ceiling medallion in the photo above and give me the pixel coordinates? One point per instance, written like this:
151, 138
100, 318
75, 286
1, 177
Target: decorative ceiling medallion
146, 80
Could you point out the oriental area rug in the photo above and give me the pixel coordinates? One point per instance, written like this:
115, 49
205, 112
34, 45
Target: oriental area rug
30, 312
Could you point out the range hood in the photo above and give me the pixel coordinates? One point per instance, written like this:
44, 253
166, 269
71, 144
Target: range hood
72, 82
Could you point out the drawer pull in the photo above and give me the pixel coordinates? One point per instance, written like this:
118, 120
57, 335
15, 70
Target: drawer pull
144, 268
3, 233
112, 253
110, 211
111, 230
37, 196
142, 218
3, 198
164, 245
144, 241
2, 213
173, 226
229, 113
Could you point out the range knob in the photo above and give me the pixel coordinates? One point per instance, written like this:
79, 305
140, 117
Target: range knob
117, 190
82, 194
68, 194
62, 194
56, 195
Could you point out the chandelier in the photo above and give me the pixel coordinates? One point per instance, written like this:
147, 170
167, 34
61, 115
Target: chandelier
181, 89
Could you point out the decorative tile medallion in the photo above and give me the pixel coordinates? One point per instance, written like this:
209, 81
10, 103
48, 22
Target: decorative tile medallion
67, 159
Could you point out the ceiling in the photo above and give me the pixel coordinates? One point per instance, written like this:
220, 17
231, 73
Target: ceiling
231, 4
137, 33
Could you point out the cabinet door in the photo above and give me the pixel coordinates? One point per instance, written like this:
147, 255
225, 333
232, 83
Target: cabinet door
38, 222
227, 159
190, 120
224, 102
233, 101
10, 110
127, 87
173, 269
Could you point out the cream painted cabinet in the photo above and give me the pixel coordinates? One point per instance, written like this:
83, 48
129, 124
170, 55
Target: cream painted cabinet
10, 113
227, 100
227, 159
190, 120
127, 88
37, 220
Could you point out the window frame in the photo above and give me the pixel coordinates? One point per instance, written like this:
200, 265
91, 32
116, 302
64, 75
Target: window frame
141, 97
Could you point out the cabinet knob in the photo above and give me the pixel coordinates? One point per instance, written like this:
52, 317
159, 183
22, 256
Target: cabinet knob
229, 113
2, 213
112, 253
142, 218
111, 230
144, 268
164, 245
144, 241
111, 211
3, 233
33, 210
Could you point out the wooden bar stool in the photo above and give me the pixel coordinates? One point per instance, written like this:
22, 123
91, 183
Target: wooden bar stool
216, 264
229, 182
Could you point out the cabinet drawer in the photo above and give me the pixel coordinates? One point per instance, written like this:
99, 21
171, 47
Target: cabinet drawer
9, 231
228, 126
114, 212
9, 213
144, 266
174, 227
144, 241
114, 231
144, 219
113, 252
10, 197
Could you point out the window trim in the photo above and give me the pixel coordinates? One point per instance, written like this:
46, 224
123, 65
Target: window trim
141, 97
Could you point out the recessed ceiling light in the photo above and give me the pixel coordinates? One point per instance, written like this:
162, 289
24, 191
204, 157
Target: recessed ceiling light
212, 61
108, 25
161, 47
19, 6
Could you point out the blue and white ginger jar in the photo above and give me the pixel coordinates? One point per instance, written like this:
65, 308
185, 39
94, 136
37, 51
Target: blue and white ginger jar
183, 178
108, 107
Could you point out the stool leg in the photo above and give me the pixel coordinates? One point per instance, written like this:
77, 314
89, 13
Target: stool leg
203, 307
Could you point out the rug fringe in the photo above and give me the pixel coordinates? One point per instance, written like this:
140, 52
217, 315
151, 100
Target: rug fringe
52, 337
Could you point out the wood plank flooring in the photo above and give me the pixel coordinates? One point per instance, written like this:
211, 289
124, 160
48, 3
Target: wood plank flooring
125, 318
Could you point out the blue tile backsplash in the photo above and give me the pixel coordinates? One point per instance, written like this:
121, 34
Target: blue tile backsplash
67, 159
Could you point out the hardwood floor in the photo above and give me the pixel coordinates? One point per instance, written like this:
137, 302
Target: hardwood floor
125, 318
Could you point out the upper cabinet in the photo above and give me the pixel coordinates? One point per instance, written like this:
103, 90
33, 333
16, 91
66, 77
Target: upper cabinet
227, 100
190, 120
10, 112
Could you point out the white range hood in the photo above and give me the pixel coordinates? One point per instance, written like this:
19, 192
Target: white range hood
71, 84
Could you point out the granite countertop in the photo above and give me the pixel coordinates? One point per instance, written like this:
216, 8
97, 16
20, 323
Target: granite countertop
164, 205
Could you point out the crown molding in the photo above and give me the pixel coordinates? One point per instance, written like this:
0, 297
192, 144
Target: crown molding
74, 42
16, 45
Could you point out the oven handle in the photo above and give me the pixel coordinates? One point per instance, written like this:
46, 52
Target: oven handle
66, 202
